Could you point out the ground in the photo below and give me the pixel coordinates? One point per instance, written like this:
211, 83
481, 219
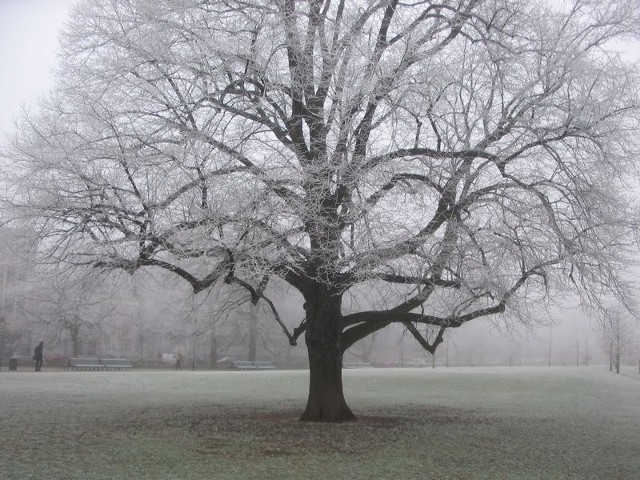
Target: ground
476, 423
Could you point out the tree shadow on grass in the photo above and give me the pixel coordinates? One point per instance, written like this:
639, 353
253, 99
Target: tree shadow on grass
241, 430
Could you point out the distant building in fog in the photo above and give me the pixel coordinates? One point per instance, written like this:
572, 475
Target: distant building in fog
17, 265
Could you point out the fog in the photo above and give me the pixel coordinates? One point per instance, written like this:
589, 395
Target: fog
149, 317
146, 316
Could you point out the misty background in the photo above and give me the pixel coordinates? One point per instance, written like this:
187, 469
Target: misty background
148, 315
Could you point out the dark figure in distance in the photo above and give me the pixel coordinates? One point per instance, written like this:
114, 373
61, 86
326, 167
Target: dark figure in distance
179, 361
37, 356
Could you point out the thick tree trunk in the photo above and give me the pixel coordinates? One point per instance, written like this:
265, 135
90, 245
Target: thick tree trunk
326, 402
253, 332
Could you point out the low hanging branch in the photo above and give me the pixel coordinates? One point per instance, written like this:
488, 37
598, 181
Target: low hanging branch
361, 324
257, 294
429, 347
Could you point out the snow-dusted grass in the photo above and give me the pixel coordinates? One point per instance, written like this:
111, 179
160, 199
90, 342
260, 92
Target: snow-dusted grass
518, 423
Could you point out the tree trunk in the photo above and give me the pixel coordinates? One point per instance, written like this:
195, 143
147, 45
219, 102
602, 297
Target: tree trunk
253, 332
326, 402
611, 357
75, 344
213, 351
141, 345
195, 341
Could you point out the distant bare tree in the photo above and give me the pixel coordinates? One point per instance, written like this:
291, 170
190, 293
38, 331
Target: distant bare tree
4, 341
66, 304
460, 158
365, 348
207, 315
618, 337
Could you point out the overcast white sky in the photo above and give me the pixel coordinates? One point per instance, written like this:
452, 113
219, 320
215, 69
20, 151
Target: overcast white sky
28, 41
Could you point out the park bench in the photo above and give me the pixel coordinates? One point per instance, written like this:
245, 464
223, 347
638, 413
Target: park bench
84, 364
116, 364
242, 365
264, 365
247, 365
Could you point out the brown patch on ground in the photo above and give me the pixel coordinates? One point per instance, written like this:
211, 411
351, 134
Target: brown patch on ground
225, 431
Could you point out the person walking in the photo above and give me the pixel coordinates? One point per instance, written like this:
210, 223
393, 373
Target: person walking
179, 361
38, 356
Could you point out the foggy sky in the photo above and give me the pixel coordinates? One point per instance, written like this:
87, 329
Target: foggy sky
28, 42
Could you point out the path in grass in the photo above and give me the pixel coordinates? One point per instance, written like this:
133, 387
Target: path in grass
479, 423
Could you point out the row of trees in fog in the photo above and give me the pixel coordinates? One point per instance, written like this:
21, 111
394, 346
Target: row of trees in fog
417, 164
88, 314
85, 313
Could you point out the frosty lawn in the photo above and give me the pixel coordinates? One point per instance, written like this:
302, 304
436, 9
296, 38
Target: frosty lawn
476, 423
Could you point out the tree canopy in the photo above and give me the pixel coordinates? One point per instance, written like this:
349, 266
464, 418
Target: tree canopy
460, 158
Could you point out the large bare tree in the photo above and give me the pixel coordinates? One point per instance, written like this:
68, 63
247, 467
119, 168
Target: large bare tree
458, 159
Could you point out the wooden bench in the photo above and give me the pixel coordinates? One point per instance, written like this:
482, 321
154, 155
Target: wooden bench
242, 365
116, 364
247, 365
84, 364
264, 365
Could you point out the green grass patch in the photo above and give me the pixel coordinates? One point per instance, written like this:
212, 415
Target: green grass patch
413, 424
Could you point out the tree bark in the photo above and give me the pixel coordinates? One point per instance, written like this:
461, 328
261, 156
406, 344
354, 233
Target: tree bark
74, 332
253, 332
326, 402
213, 351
